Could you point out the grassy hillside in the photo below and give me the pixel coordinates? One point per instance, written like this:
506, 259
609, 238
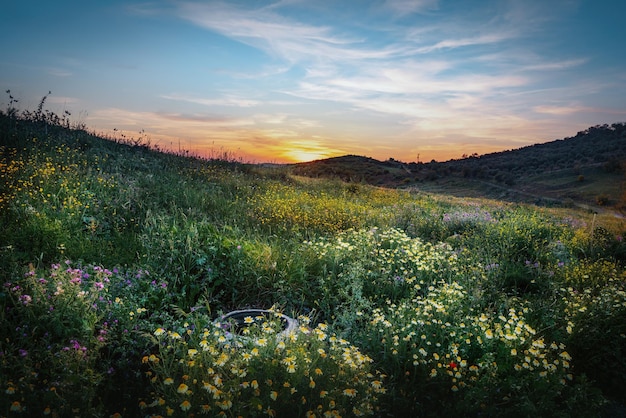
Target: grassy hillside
116, 260
585, 170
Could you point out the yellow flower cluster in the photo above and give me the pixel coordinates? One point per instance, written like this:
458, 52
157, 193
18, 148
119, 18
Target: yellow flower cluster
55, 179
439, 336
288, 208
206, 370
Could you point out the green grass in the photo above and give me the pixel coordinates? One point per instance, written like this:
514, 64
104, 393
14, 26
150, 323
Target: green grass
115, 260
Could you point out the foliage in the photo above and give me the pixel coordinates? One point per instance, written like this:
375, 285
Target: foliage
201, 368
69, 340
451, 307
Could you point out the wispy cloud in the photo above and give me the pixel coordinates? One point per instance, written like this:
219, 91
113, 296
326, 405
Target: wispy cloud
559, 110
482, 39
280, 36
228, 100
555, 65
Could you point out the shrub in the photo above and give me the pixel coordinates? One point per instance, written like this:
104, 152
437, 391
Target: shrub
201, 368
447, 358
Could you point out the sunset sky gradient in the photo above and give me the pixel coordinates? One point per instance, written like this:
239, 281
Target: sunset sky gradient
296, 80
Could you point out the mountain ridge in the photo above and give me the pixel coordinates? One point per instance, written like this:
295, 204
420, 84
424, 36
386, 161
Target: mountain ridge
586, 169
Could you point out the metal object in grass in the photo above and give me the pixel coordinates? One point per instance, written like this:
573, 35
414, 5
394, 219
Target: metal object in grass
234, 322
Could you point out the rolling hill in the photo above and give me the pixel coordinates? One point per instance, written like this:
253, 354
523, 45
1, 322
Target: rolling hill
584, 170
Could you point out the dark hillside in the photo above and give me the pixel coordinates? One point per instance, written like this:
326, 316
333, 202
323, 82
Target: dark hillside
354, 168
587, 169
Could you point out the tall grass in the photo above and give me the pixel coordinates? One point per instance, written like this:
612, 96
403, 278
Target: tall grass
116, 259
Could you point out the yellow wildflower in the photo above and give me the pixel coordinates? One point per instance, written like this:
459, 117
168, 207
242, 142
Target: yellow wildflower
350, 392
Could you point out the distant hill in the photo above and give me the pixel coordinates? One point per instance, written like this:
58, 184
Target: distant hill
354, 168
587, 169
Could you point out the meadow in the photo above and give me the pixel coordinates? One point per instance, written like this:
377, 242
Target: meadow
117, 259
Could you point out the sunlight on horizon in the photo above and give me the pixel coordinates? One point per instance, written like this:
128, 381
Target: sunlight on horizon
301, 156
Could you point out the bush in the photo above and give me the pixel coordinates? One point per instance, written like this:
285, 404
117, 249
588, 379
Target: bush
200, 368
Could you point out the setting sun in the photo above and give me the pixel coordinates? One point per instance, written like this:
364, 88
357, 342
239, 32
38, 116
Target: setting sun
305, 150
301, 156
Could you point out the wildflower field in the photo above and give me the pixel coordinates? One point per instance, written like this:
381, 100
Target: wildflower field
118, 261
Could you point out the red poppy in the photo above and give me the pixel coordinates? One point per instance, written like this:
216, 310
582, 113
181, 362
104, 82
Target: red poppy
453, 365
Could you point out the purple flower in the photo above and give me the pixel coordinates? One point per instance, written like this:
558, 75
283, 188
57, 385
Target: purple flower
25, 299
492, 266
23, 353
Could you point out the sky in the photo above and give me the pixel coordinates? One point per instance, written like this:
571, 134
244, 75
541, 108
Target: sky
297, 80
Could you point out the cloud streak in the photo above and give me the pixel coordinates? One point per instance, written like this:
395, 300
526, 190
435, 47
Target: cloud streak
229, 100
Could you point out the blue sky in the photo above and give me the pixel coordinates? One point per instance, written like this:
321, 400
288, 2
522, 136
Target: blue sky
296, 80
